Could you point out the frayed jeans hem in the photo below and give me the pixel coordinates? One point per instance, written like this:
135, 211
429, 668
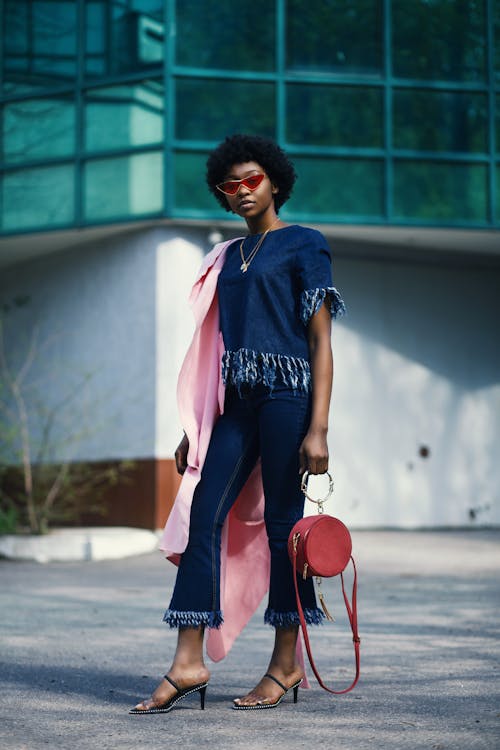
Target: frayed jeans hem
176, 619
287, 619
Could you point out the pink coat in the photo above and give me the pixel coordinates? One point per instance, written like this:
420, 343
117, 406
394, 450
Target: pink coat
245, 557
200, 397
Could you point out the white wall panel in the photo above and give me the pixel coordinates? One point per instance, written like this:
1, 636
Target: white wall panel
417, 366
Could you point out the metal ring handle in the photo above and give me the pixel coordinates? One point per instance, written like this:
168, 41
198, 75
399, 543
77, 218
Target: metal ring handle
303, 487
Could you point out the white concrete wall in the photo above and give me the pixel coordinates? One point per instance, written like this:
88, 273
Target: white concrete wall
95, 308
177, 261
417, 364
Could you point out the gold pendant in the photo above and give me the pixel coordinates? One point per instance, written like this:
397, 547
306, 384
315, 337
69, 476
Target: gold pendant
243, 267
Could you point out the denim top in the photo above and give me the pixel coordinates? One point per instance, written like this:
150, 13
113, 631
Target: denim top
264, 312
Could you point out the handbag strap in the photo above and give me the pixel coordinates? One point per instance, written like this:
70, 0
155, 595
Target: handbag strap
352, 613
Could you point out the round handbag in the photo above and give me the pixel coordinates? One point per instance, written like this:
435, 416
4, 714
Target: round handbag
321, 546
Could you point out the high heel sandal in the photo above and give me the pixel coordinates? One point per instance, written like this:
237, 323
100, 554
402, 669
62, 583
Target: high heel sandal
257, 706
181, 693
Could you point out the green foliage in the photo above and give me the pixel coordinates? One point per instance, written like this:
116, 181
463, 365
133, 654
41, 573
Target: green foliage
62, 493
38, 488
9, 517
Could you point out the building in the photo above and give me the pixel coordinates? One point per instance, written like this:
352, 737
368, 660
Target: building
391, 112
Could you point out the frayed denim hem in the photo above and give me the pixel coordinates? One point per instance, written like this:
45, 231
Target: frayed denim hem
285, 619
193, 619
312, 299
249, 367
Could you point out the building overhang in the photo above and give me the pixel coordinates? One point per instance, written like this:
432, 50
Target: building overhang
403, 243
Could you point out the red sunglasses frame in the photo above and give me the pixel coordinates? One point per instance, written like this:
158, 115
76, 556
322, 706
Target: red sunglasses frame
248, 182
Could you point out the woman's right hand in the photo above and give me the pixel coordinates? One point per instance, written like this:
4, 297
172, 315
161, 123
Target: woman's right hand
180, 454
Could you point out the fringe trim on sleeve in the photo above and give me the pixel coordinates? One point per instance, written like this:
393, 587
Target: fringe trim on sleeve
312, 299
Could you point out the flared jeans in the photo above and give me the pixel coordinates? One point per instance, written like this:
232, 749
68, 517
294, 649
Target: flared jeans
255, 423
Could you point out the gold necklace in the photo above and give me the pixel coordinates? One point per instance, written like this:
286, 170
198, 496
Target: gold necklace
246, 261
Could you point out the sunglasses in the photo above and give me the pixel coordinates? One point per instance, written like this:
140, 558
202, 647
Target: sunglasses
231, 187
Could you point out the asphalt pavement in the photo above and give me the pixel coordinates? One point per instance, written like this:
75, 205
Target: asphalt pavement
81, 642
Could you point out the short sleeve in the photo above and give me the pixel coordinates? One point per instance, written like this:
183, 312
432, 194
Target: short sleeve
314, 271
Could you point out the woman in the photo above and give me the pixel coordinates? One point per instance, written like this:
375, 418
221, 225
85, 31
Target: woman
271, 296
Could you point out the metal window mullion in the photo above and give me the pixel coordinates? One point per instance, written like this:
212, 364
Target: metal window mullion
388, 102
221, 74
280, 52
2, 64
170, 24
79, 114
2, 46
492, 186
56, 161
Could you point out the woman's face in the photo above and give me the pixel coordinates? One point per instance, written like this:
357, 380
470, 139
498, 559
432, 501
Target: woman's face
246, 202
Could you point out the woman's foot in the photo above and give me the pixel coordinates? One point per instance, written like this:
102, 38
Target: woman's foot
165, 691
268, 691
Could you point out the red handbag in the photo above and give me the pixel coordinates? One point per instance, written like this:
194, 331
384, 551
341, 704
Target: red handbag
321, 546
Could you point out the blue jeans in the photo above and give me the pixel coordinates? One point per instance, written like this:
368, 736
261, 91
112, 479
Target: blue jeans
255, 423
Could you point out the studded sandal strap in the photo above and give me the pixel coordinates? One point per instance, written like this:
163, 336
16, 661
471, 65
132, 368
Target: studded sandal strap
271, 677
174, 684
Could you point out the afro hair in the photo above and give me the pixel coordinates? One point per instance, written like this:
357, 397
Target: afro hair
238, 149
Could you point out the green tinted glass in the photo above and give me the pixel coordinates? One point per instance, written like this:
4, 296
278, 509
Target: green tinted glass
124, 186
40, 44
334, 115
439, 40
123, 116
123, 37
225, 34
191, 191
337, 36
497, 121
440, 121
38, 129
337, 188
210, 110
38, 198
497, 192
496, 32
455, 193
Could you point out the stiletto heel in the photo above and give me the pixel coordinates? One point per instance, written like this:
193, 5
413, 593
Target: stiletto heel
181, 693
202, 692
256, 706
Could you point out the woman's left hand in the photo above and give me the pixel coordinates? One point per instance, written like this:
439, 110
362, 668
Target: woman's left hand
313, 453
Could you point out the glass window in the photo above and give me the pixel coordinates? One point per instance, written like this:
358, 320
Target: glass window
225, 34
440, 121
210, 110
497, 120
38, 198
124, 186
334, 36
40, 46
496, 32
123, 36
334, 115
191, 191
38, 129
123, 116
439, 40
497, 207
331, 187
435, 191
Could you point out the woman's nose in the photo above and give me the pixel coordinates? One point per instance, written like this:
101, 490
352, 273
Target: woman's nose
241, 185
